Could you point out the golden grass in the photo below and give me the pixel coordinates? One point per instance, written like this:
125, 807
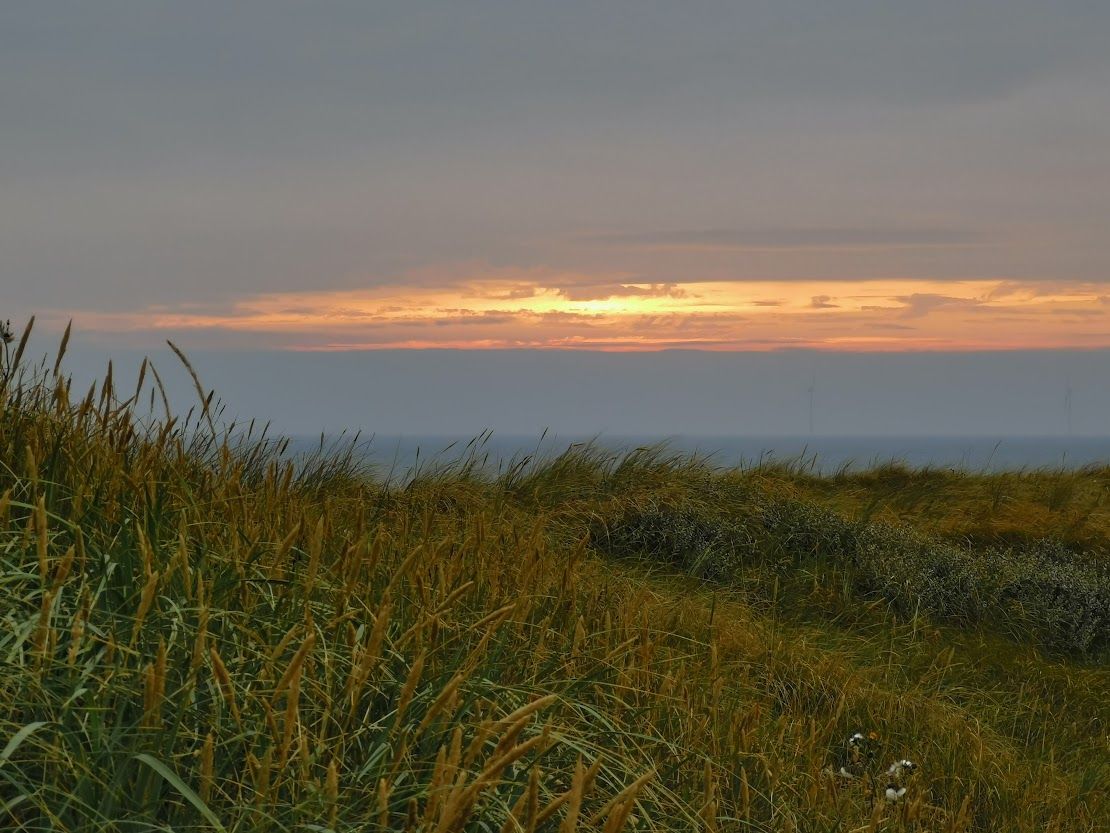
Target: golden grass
198, 637
1008, 507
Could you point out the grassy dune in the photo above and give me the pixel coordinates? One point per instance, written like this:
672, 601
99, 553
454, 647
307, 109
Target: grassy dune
197, 636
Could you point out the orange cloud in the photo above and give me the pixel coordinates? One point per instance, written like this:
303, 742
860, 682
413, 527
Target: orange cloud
612, 312
591, 292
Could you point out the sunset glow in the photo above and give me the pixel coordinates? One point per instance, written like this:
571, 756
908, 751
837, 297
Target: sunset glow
619, 314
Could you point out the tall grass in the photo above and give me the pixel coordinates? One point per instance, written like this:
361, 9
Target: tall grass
199, 634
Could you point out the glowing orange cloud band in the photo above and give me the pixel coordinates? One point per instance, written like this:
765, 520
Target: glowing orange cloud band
567, 312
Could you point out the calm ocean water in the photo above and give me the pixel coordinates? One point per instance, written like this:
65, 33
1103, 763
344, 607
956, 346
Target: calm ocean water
399, 455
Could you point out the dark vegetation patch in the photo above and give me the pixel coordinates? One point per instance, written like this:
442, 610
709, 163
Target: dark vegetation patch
1041, 590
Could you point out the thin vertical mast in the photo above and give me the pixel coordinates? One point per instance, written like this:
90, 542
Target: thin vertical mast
812, 385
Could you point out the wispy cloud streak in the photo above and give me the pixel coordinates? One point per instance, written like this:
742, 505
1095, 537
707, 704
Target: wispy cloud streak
869, 238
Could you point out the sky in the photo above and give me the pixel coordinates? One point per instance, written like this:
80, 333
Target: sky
359, 181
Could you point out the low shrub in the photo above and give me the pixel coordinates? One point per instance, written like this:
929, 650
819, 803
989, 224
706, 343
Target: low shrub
1044, 590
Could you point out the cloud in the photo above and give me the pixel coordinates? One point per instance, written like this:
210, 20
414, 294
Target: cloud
1079, 313
1007, 289
787, 239
606, 291
572, 311
920, 304
465, 317
515, 293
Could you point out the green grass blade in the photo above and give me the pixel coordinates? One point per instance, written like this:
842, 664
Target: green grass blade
19, 737
186, 791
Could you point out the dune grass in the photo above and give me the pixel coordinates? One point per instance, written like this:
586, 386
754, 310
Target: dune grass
200, 635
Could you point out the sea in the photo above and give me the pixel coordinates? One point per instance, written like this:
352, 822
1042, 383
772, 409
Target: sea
400, 456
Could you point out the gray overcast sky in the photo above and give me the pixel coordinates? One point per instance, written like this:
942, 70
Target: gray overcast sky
189, 158
463, 392
190, 151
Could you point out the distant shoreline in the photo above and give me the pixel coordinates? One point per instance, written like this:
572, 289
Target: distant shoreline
817, 454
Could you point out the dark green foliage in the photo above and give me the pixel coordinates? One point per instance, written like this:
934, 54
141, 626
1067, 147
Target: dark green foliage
706, 547
1043, 590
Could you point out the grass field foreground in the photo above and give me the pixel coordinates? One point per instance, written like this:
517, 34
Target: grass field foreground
200, 635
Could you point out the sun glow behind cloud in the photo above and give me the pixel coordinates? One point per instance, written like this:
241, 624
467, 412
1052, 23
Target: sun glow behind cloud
566, 311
